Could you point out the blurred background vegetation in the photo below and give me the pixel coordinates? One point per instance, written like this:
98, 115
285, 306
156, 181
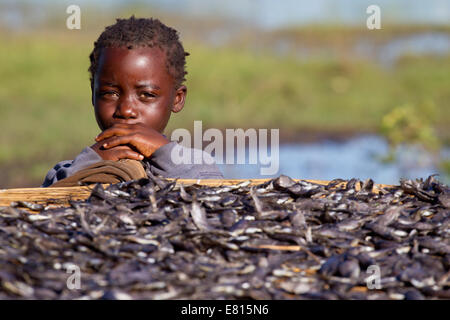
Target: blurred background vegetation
322, 78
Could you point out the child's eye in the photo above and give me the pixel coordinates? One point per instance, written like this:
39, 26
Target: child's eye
109, 94
146, 95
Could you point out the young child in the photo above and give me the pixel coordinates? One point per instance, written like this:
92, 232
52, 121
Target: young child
137, 73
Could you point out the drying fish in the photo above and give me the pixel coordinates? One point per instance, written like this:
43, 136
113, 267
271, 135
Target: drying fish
283, 239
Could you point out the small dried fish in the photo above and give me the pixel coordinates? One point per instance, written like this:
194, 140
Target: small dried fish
199, 216
282, 239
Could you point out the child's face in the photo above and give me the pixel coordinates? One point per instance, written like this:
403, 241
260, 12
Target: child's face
133, 86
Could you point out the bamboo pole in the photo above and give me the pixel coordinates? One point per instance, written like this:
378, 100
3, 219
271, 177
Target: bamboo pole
61, 196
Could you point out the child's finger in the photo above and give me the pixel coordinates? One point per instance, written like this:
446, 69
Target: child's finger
113, 131
129, 154
119, 140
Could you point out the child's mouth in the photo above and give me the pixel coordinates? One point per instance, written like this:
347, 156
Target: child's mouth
125, 122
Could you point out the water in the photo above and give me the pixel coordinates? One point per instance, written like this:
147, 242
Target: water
270, 14
436, 43
386, 54
356, 158
267, 14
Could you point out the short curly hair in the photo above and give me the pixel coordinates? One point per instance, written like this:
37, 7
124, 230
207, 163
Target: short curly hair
142, 32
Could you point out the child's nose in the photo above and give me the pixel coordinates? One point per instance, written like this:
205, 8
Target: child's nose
126, 110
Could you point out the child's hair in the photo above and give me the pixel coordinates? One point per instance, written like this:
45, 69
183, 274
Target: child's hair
132, 32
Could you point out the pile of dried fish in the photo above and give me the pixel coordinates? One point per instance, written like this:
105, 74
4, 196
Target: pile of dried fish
154, 239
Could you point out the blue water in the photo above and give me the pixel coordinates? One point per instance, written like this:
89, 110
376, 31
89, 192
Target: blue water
356, 158
270, 14
436, 43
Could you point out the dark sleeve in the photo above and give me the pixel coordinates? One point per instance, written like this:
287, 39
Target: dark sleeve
199, 166
67, 168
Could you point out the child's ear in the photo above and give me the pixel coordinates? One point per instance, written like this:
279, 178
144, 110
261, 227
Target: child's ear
180, 97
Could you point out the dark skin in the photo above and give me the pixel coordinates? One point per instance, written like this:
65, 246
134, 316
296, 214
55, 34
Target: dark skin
133, 97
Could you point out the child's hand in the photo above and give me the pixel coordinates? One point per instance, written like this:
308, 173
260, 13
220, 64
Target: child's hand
116, 153
143, 139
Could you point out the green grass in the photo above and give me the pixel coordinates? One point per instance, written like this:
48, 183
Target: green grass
46, 113
237, 88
